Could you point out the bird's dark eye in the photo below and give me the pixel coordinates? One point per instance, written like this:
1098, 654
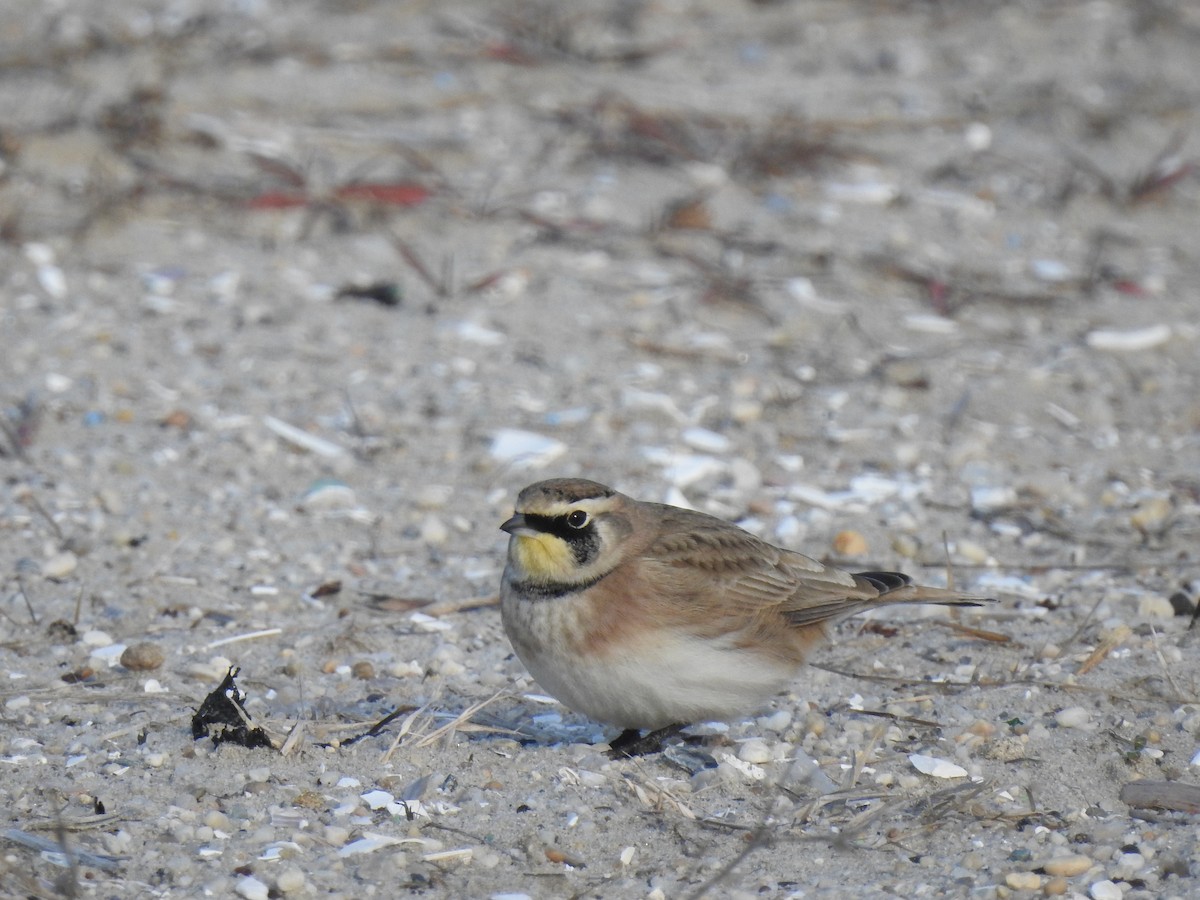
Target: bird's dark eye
578, 518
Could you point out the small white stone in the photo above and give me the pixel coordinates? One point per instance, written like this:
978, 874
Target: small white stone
987, 499
53, 281
705, 175
252, 889
1053, 270
434, 532
290, 880
58, 383
706, 440
39, 254
1023, 881
1155, 606
96, 638
978, 136
1105, 890
329, 494
60, 565
755, 751
928, 323
776, 721
1130, 864
525, 449
1138, 339
1073, 717
474, 333
972, 552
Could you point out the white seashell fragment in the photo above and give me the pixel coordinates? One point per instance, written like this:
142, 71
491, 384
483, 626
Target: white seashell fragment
302, 439
53, 281
1053, 270
989, 498
525, 449
928, 323
1138, 339
462, 854
328, 493
473, 333
874, 193
705, 440
935, 767
652, 401
377, 799
368, 843
687, 469
749, 770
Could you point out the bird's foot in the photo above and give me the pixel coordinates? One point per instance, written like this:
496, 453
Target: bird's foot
632, 742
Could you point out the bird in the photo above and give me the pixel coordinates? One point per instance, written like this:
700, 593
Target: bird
652, 617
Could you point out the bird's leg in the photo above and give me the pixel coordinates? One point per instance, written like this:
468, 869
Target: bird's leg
632, 742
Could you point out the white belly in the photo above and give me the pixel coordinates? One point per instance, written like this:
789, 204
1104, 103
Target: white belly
667, 677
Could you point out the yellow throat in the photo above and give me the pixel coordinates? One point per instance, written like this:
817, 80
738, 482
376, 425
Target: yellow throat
543, 557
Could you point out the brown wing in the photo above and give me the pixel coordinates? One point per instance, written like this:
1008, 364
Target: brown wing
704, 560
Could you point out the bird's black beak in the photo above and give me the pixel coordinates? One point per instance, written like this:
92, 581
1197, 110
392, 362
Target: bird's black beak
517, 526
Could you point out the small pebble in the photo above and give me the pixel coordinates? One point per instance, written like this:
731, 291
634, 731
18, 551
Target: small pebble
850, 543
290, 880
1055, 887
1023, 881
705, 440
525, 449
142, 656
1155, 606
972, 552
328, 494
1073, 717
363, 670
60, 565
1068, 866
988, 499
1138, 339
434, 532
1105, 890
252, 889
755, 751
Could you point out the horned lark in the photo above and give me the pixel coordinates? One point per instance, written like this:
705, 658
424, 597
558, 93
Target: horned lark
649, 616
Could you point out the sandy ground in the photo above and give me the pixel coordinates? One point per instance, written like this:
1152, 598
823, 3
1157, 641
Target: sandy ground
887, 282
